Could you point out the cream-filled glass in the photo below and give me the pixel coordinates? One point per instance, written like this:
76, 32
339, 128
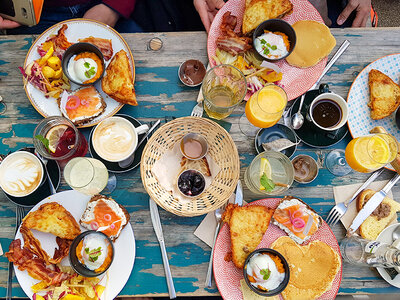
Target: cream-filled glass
115, 138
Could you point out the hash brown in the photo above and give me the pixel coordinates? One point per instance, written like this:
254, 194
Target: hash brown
247, 227
118, 81
53, 218
384, 95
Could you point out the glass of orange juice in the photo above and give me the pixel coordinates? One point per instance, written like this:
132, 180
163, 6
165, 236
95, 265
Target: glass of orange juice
368, 153
263, 109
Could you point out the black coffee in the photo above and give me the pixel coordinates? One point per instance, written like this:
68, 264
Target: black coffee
327, 113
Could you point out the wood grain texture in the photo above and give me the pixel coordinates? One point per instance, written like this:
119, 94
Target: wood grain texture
161, 94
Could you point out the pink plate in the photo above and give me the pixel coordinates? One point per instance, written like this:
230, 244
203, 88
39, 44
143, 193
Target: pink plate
295, 81
227, 276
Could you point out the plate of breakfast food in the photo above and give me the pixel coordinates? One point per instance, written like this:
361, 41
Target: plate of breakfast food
80, 69
44, 247
293, 229
374, 96
230, 42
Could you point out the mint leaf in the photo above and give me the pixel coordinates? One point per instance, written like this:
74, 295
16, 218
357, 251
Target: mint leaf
44, 141
266, 273
267, 183
274, 47
87, 65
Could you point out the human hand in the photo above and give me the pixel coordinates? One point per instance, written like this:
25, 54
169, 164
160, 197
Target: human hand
362, 8
207, 10
8, 24
102, 13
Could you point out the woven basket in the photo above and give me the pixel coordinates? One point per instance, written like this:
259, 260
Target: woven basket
221, 148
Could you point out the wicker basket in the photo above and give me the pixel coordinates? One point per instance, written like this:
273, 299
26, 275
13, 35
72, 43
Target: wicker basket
221, 148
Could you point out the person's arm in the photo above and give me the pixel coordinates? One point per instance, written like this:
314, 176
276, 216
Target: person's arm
110, 11
362, 8
8, 24
207, 10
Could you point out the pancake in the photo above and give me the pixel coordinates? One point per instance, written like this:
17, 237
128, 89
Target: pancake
314, 41
312, 268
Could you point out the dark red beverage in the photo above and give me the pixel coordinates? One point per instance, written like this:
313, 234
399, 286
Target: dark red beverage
67, 143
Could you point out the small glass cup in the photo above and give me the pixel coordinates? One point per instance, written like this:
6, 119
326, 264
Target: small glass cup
281, 169
224, 87
71, 143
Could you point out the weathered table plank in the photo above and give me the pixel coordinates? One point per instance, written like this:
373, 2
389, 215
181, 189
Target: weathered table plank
161, 94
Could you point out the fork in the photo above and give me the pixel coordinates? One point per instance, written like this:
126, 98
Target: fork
197, 111
338, 211
19, 215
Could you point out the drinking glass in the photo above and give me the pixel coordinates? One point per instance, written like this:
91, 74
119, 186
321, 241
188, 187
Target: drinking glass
88, 176
336, 163
369, 153
57, 138
224, 88
263, 109
277, 167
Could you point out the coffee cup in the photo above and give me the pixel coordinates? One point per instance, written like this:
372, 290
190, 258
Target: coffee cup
21, 173
115, 139
328, 111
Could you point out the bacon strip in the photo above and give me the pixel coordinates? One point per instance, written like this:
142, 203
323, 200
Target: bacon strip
104, 45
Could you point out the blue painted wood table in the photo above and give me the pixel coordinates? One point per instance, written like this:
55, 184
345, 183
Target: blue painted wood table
160, 95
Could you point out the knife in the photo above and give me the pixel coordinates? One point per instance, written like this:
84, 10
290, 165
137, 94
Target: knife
239, 194
155, 219
371, 205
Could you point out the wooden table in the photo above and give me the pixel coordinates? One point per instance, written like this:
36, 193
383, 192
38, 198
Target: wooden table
161, 94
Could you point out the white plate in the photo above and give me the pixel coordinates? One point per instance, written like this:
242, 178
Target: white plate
386, 237
124, 247
77, 29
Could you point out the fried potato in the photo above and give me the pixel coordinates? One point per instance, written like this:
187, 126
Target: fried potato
44, 59
53, 218
118, 81
54, 62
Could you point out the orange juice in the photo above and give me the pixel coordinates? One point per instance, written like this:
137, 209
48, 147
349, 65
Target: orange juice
265, 108
368, 153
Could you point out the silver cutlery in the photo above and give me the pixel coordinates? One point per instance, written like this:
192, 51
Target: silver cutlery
127, 162
44, 161
19, 215
218, 216
197, 111
371, 205
155, 219
338, 211
298, 118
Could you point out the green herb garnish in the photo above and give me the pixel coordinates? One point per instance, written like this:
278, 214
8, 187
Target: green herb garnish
267, 183
269, 45
274, 47
266, 273
90, 72
263, 41
266, 51
87, 65
44, 141
93, 254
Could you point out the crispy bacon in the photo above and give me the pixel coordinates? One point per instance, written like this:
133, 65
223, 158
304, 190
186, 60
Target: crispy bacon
60, 42
229, 22
104, 45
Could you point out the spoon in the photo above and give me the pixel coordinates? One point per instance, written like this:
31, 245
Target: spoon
396, 233
127, 161
297, 118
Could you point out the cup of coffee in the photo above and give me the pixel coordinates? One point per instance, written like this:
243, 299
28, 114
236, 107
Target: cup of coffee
21, 173
328, 111
115, 139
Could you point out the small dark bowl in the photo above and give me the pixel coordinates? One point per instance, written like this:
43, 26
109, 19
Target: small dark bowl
196, 66
275, 25
80, 268
283, 284
75, 49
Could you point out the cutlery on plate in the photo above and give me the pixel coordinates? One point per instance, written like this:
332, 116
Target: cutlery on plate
127, 162
298, 118
371, 205
44, 161
338, 211
218, 216
19, 215
155, 219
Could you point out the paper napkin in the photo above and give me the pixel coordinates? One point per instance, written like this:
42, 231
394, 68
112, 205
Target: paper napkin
342, 193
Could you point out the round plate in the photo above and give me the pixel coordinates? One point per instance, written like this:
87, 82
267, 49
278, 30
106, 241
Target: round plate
42, 191
386, 237
278, 131
227, 276
295, 81
77, 29
124, 247
311, 134
360, 122
114, 166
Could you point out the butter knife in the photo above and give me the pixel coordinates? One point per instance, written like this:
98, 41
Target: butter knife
371, 205
155, 219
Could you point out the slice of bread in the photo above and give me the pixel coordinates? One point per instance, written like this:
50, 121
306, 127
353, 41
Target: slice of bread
384, 95
95, 216
200, 165
380, 218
